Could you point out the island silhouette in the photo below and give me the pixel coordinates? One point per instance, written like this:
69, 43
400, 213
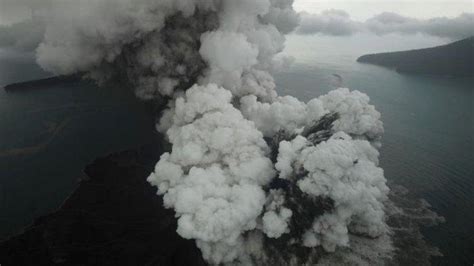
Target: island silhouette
454, 59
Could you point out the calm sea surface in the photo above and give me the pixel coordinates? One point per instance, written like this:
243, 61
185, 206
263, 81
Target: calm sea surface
428, 145
48, 136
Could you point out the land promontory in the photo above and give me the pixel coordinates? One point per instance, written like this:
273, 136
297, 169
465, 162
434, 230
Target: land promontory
455, 60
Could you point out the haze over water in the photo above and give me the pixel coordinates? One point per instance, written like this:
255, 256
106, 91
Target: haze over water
427, 147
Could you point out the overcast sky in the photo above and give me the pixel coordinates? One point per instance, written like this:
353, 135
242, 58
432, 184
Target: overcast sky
364, 9
12, 10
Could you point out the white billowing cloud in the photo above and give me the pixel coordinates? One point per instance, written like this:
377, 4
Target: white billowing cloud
288, 152
342, 168
224, 68
241, 155
346, 171
339, 23
285, 113
357, 116
277, 217
214, 175
136, 27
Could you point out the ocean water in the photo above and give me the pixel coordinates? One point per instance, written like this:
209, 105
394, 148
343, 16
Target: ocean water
48, 135
428, 145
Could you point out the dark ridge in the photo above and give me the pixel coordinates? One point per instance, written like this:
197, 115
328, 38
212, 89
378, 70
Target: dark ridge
114, 217
42, 83
455, 60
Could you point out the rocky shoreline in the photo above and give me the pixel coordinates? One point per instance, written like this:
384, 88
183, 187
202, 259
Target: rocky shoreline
113, 218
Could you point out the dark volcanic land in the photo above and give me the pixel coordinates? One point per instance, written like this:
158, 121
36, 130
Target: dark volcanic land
114, 217
455, 59
42, 83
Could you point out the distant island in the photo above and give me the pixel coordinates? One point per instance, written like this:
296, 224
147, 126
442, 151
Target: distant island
455, 59
42, 83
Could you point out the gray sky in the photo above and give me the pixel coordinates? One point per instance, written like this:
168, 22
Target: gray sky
14, 10
364, 9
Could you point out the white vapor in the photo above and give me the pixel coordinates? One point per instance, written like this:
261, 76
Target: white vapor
339, 23
249, 171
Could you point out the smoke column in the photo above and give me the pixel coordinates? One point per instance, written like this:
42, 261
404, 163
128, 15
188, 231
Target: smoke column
253, 177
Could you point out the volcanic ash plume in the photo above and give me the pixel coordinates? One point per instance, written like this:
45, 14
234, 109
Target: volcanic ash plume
253, 177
